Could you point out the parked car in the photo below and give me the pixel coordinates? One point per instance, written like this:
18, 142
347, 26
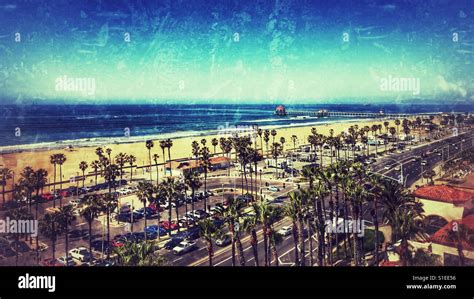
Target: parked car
80, 253
50, 262
169, 226
148, 213
285, 231
67, 261
184, 247
224, 240
173, 243
47, 196
273, 189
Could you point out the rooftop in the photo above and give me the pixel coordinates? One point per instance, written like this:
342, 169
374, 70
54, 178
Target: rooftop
442, 235
443, 193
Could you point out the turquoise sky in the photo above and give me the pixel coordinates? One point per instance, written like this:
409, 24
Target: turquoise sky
237, 51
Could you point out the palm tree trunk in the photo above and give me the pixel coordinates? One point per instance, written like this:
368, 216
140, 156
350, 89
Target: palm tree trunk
302, 244
210, 251
90, 238
60, 184
295, 241
149, 159
169, 158
254, 243
232, 232
265, 243
310, 234
54, 187
240, 248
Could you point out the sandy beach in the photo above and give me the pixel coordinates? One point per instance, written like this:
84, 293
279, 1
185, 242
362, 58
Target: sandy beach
39, 158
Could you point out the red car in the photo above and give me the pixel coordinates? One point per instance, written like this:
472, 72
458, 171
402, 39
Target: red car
63, 193
154, 207
47, 196
49, 262
166, 225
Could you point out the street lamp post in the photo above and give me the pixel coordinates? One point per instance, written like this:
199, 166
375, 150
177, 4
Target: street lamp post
401, 181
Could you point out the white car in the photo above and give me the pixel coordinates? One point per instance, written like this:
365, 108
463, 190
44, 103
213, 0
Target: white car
387, 167
184, 247
273, 188
285, 231
424, 162
80, 253
67, 262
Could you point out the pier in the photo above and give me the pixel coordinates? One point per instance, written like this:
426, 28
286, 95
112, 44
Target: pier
281, 111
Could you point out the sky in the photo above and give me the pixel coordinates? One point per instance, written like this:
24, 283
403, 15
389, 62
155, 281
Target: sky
238, 51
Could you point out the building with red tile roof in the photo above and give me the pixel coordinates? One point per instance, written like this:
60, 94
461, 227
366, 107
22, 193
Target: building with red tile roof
445, 247
443, 193
445, 201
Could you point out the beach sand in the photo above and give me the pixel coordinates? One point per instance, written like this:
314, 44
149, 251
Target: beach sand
181, 149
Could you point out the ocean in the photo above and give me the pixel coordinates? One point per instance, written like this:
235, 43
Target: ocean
76, 124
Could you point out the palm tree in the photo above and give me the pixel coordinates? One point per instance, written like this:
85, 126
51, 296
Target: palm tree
5, 175
273, 133
131, 160
282, 141
90, 207
214, 143
169, 144
65, 217
192, 180
99, 152
139, 254
96, 166
208, 230
205, 165
60, 159
266, 138
292, 209
402, 212
397, 123
392, 131
163, 147
250, 224
109, 203
149, 145
83, 166
260, 133
121, 159
145, 194
28, 180
268, 215
109, 153
40, 179
276, 151
53, 160
232, 217
49, 226
155, 159
459, 235
111, 172
171, 191
196, 149
294, 139
20, 214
